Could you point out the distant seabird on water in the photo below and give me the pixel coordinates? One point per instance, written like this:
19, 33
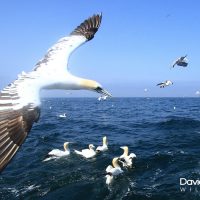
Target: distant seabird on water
62, 115
102, 97
20, 100
165, 83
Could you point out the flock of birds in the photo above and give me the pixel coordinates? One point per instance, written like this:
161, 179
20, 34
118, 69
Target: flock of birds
20, 100
125, 160
183, 62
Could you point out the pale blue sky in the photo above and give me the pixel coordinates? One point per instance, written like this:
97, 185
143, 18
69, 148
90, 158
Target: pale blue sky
134, 48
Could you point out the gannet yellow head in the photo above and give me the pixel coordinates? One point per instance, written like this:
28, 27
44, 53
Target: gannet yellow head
94, 86
66, 145
125, 148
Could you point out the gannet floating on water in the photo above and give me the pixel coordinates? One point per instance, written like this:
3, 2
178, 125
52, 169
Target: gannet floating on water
62, 115
165, 83
57, 153
113, 170
20, 100
87, 153
104, 147
182, 61
127, 160
102, 98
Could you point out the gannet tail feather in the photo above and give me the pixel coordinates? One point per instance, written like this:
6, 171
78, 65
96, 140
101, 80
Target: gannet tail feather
89, 27
49, 157
78, 152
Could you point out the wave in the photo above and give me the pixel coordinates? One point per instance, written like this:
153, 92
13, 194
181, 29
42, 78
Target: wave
167, 123
178, 122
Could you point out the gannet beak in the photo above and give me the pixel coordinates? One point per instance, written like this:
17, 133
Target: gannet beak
102, 91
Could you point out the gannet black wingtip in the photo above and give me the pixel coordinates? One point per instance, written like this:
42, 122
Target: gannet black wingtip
89, 27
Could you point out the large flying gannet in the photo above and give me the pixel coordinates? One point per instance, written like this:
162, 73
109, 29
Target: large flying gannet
20, 101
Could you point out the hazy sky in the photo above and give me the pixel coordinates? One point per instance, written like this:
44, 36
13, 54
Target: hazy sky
134, 48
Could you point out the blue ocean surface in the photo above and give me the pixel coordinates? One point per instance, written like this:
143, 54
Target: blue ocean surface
164, 133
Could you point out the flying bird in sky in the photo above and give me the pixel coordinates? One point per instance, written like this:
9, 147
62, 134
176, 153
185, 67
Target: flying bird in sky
165, 83
20, 100
182, 61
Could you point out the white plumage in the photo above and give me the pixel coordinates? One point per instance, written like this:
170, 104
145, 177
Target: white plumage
109, 179
127, 160
102, 98
87, 153
113, 170
62, 115
57, 153
104, 147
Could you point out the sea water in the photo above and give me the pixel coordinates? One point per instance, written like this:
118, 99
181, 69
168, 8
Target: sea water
165, 140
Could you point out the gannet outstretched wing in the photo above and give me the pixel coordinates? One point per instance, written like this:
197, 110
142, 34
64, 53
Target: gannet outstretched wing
160, 83
182, 61
20, 101
58, 54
